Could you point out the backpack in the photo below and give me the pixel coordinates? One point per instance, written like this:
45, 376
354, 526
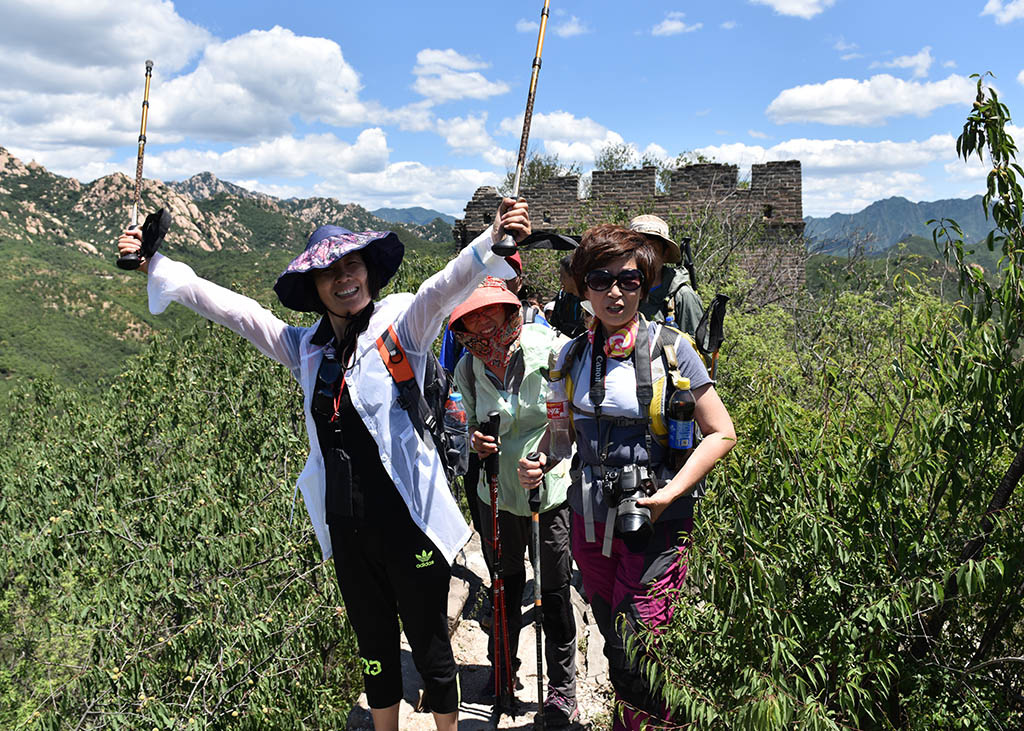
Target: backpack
426, 408
567, 314
663, 352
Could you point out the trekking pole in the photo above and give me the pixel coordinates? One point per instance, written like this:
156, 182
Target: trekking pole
501, 248
504, 690
131, 260
538, 608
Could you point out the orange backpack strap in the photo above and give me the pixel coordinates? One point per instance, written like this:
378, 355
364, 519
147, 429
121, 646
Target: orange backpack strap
409, 396
393, 354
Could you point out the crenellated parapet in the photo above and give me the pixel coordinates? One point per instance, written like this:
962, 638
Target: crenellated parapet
773, 194
772, 198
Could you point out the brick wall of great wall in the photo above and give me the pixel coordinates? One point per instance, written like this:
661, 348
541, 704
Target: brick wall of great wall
773, 198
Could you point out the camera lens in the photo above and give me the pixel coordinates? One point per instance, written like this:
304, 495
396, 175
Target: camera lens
633, 525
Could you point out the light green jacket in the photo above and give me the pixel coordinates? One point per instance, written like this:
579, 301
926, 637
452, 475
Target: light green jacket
523, 419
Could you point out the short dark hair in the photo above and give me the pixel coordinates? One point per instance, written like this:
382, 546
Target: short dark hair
607, 242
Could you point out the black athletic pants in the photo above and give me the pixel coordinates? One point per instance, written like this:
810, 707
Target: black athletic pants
555, 571
388, 571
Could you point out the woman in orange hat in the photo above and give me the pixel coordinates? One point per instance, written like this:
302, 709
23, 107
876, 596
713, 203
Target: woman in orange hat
505, 371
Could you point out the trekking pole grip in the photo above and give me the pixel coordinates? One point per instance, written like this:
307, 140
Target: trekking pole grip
490, 428
535, 492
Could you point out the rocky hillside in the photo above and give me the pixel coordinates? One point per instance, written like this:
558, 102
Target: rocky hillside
67, 311
209, 214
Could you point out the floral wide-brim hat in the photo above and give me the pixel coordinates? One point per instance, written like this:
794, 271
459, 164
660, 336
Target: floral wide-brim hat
382, 252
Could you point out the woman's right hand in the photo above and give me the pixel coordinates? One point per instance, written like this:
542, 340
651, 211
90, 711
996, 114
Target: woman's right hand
531, 472
131, 241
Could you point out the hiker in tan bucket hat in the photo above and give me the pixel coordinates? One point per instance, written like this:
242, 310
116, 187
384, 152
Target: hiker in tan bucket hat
671, 291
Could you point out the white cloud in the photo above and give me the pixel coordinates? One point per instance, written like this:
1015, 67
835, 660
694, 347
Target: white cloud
250, 86
757, 135
572, 27
1004, 13
849, 194
673, 25
949, 64
842, 45
654, 151
468, 136
974, 169
275, 189
851, 56
100, 46
801, 8
570, 137
920, 62
282, 157
409, 184
75, 161
527, 26
871, 102
446, 75
832, 157
1020, 77
728, 25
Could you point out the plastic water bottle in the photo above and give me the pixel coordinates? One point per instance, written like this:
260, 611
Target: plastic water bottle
456, 432
680, 423
559, 431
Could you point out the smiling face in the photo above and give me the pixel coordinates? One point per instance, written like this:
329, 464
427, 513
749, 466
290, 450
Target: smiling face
344, 285
615, 307
485, 321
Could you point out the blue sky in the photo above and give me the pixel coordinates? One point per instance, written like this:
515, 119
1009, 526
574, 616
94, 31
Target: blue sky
398, 104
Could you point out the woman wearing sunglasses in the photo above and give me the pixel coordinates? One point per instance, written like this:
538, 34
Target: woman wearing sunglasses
612, 376
374, 487
505, 371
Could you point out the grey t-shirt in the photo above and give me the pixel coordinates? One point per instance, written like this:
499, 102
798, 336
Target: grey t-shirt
626, 443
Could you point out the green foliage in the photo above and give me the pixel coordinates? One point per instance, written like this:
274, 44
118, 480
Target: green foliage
834, 585
616, 156
157, 582
538, 168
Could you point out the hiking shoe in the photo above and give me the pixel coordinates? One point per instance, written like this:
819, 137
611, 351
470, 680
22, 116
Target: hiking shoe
559, 711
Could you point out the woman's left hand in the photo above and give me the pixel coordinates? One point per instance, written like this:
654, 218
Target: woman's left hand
657, 503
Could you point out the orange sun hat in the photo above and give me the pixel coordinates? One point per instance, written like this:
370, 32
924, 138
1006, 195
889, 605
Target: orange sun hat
492, 291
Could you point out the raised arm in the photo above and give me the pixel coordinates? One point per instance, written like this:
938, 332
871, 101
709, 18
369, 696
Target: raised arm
440, 293
172, 281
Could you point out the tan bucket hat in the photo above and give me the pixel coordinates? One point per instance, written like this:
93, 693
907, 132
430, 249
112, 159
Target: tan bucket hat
654, 226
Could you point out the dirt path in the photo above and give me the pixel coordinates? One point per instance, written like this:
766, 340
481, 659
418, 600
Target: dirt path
468, 605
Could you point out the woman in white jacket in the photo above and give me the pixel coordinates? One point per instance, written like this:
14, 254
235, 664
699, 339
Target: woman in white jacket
393, 519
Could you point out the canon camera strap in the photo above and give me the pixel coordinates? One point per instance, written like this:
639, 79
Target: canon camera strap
644, 386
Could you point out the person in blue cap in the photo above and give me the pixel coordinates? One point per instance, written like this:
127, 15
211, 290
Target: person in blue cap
387, 515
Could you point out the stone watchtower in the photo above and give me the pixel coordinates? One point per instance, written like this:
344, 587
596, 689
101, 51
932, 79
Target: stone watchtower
772, 202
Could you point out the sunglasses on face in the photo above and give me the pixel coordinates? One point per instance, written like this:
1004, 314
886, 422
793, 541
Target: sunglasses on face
629, 280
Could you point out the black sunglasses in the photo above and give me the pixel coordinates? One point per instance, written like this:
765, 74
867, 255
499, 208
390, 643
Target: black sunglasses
629, 280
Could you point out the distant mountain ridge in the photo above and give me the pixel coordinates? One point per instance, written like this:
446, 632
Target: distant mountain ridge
67, 311
415, 214
885, 223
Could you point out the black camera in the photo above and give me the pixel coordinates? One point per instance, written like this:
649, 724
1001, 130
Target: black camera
622, 486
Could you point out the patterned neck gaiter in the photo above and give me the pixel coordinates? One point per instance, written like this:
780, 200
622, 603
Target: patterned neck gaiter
619, 344
497, 350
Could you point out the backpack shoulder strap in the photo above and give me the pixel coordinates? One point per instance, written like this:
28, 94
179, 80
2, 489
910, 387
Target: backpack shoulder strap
410, 397
576, 346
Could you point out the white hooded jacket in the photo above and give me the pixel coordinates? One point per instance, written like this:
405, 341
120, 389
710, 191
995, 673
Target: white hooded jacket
412, 463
